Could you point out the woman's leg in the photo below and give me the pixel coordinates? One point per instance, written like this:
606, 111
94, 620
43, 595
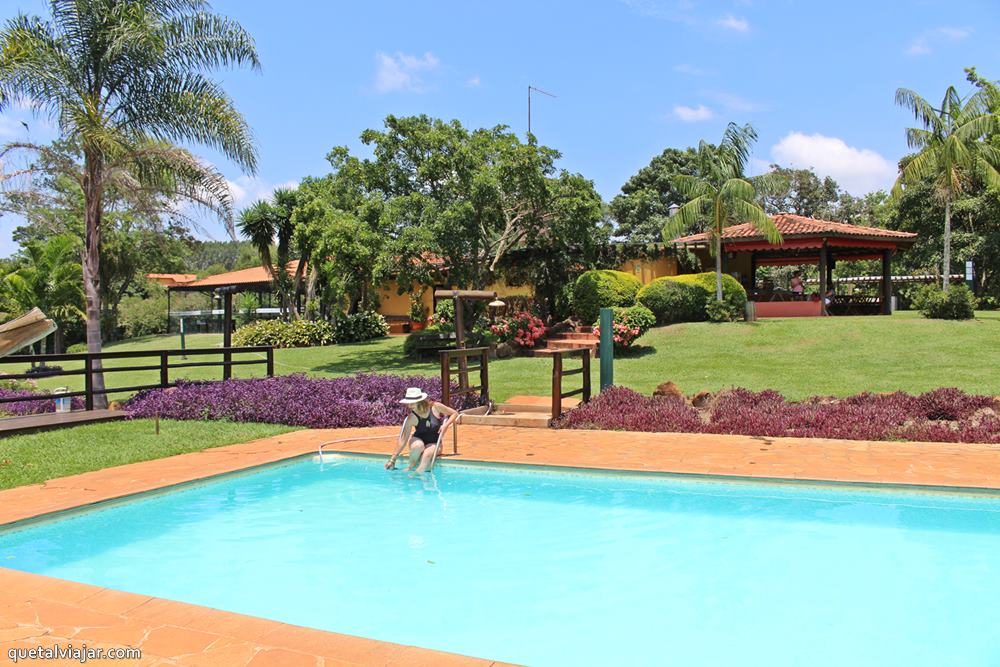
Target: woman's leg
416, 451
427, 458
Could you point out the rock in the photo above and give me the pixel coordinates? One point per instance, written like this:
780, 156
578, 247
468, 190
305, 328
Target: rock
701, 399
505, 351
668, 389
114, 406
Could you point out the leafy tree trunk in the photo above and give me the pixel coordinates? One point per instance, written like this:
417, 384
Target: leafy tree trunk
946, 259
92, 270
718, 267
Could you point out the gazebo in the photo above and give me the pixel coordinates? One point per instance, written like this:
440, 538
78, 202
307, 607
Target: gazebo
805, 241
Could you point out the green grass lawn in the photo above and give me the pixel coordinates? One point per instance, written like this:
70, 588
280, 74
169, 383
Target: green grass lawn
797, 356
33, 458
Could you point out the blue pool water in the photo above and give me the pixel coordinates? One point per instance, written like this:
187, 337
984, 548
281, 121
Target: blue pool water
554, 568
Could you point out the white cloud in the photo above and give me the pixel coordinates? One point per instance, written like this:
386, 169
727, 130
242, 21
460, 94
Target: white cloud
921, 45
734, 102
857, 170
730, 22
473, 81
246, 190
685, 68
692, 114
402, 72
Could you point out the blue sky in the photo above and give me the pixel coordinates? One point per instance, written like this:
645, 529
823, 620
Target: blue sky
631, 77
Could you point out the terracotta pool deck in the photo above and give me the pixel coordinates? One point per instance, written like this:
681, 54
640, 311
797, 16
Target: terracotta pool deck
37, 611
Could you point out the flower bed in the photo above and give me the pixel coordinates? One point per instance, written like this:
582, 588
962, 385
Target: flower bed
21, 408
942, 415
295, 400
523, 329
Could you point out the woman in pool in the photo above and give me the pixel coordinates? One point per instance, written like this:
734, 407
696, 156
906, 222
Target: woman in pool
424, 427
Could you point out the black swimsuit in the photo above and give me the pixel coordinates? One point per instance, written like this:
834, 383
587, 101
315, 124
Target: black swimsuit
428, 428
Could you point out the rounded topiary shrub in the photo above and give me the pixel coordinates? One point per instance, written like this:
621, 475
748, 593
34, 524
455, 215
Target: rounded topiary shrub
358, 327
603, 288
732, 291
671, 301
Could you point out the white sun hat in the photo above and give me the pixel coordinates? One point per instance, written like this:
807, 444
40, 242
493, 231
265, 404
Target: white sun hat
413, 395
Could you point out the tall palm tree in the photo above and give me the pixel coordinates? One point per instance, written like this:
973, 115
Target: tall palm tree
48, 277
124, 79
950, 149
722, 195
268, 225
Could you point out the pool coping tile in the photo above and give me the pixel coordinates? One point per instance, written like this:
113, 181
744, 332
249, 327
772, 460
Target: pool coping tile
42, 611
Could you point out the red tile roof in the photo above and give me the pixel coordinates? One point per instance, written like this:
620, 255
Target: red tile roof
798, 226
171, 279
253, 276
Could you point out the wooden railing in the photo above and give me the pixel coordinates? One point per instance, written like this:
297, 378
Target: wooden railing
462, 356
558, 374
162, 365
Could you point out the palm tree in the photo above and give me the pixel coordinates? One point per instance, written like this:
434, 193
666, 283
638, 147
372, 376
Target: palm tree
267, 225
721, 195
48, 278
124, 79
950, 149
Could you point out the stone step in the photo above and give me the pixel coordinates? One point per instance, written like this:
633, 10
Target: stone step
518, 419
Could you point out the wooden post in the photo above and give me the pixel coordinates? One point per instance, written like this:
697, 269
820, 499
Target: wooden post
753, 273
227, 334
168, 311
446, 377
463, 364
164, 368
484, 375
556, 385
586, 375
886, 283
88, 382
270, 362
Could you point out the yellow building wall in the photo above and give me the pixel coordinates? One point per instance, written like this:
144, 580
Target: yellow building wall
648, 270
391, 303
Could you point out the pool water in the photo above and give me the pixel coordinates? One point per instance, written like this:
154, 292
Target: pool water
539, 567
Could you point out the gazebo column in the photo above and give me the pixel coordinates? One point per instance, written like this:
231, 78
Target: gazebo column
227, 333
753, 272
824, 262
886, 283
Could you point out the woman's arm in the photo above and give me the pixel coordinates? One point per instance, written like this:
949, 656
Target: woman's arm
404, 437
445, 411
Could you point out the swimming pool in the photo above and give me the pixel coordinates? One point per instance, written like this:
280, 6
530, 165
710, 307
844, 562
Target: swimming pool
546, 567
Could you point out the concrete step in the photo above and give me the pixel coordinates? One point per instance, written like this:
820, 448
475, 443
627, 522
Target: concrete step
573, 335
572, 344
518, 419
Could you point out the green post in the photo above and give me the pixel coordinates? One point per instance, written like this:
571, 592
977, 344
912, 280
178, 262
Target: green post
607, 348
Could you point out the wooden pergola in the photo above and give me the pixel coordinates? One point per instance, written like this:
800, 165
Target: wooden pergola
804, 241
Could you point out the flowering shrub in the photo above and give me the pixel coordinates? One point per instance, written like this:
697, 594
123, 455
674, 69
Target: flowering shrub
942, 415
522, 328
359, 400
21, 408
628, 324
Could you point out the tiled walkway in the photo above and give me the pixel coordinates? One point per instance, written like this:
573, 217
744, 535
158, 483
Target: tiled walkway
40, 611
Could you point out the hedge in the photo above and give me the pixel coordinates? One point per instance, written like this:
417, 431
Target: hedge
685, 298
672, 302
603, 288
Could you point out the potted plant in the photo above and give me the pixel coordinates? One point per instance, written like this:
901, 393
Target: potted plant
418, 313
